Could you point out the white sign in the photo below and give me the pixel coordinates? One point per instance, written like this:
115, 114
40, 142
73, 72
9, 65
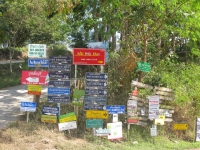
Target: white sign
198, 130
67, 125
37, 50
116, 130
115, 117
153, 131
153, 107
102, 132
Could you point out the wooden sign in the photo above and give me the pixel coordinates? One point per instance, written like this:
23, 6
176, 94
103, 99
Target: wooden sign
141, 85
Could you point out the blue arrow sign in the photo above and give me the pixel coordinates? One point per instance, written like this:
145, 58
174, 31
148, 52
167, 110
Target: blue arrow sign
60, 59
96, 76
117, 109
58, 99
58, 91
99, 84
59, 83
93, 91
38, 62
60, 67
48, 110
59, 75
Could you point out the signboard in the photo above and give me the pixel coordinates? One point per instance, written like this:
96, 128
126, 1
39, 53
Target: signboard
35, 77
198, 129
78, 97
98, 114
60, 59
59, 83
59, 75
181, 126
34, 89
49, 118
67, 126
116, 130
95, 99
48, 110
93, 91
86, 56
118, 109
38, 62
59, 67
144, 66
67, 117
96, 76
132, 116
153, 107
94, 123
153, 131
58, 99
37, 50
58, 91
90, 106
102, 132
28, 106
98, 84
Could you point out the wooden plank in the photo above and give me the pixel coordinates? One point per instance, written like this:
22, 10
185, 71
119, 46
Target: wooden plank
141, 85
166, 107
163, 89
171, 111
166, 98
164, 94
138, 98
168, 119
142, 123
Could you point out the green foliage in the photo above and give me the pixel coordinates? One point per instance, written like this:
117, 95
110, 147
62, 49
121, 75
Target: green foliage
59, 50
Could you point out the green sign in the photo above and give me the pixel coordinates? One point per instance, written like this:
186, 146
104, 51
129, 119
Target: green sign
94, 123
144, 66
78, 97
67, 115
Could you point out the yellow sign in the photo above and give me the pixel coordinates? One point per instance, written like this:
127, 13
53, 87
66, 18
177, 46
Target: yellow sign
182, 126
49, 118
97, 114
68, 119
35, 88
161, 117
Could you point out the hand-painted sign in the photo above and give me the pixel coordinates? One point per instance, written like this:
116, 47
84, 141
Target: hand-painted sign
99, 84
49, 118
94, 123
58, 99
28, 106
117, 109
67, 126
59, 83
34, 77
89, 91
48, 110
59, 67
59, 75
96, 76
85, 56
98, 114
34, 89
58, 91
38, 62
37, 50
60, 59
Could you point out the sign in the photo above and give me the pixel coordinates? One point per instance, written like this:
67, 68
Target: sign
86, 56
96, 76
59, 67
118, 109
38, 62
59, 83
102, 132
98, 114
95, 99
181, 126
34, 89
90, 106
160, 120
144, 66
68, 119
48, 110
49, 118
60, 59
37, 50
115, 117
153, 131
98, 84
58, 99
132, 116
28, 106
94, 123
58, 91
78, 97
198, 129
116, 130
59, 75
93, 91
35, 77
153, 107
67, 126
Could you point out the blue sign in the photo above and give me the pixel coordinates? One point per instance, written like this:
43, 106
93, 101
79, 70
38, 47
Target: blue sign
58, 99
99, 84
58, 91
60, 59
95, 99
96, 76
60, 67
93, 91
90, 106
28, 106
59, 75
117, 109
59, 83
38, 62
48, 110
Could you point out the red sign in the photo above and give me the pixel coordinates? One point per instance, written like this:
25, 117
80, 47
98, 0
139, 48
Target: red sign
35, 77
89, 56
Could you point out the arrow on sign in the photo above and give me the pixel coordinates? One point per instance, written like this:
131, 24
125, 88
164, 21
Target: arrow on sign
32, 79
106, 77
